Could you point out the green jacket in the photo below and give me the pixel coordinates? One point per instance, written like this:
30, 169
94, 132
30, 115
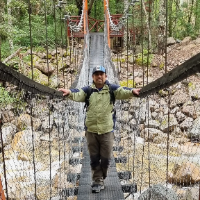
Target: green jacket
99, 116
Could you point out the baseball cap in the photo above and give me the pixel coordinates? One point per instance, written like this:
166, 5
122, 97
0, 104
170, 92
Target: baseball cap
98, 69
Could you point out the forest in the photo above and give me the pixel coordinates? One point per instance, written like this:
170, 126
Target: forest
17, 18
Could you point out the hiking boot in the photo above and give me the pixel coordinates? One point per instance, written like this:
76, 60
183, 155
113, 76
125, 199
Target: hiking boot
97, 187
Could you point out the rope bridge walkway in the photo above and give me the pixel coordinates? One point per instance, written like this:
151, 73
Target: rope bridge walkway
44, 153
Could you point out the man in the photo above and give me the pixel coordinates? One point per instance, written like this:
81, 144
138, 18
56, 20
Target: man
99, 123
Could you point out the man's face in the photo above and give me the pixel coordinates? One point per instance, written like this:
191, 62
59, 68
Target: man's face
99, 78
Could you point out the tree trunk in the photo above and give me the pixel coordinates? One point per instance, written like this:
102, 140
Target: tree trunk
90, 6
10, 25
125, 30
147, 23
170, 18
162, 27
191, 12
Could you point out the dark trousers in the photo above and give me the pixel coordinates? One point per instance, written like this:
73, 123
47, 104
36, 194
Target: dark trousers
100, 149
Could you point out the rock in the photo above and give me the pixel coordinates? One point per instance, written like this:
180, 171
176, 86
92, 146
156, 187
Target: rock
152, 132
172, 123
53, 53
44, 68
180, 116
138, 80
7, 116
179, 98
185, 174
41, 55
170, 41
195, 130
38, 76
131, 59
154, 115
186, 124
152, 124
54, 82
197, 41
192, 193
133, 123
158, 192
24, 121
174, 110
144, 113
22, 141
186, 40
47, 123
188, 47
194, 90
8, 132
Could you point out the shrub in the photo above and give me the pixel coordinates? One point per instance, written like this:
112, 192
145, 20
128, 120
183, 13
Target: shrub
5, 97
128, 83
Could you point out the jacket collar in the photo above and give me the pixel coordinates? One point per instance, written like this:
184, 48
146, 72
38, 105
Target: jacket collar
105, 87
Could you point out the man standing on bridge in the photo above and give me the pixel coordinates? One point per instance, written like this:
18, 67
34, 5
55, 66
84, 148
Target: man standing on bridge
100, 120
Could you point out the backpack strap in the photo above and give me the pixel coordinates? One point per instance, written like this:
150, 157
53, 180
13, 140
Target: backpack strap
112, 96
88, 92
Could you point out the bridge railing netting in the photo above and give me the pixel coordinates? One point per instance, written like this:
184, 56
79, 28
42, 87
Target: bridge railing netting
156, 136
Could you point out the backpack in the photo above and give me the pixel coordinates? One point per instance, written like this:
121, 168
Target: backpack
90, 90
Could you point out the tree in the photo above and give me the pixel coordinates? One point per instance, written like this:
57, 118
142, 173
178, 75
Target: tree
79, 4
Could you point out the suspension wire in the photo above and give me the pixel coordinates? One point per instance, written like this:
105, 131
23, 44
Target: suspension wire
30, 33
127, 79
71, 55
142, 41
66, 44
56, 39
31, 108
33, 139
46, 35
60, 6
148, 110
169, 93
127, 50
134, 45
133, 70
4, 163
49, 116
59, 150
66, 41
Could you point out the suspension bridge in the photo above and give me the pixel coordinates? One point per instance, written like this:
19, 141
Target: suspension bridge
44, 153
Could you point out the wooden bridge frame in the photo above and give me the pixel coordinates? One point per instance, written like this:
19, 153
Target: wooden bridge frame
93, 24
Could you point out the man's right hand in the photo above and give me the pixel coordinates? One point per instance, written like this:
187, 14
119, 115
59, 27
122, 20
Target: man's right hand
65, 91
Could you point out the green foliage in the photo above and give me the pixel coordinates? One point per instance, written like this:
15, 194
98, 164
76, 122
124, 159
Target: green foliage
22, 34
27, 58
5, 97
144, 59
161, 66
127, 83
39, 49
71, 9
5, 50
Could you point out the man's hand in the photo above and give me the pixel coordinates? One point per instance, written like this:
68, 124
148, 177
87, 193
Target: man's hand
136, 91
65, 91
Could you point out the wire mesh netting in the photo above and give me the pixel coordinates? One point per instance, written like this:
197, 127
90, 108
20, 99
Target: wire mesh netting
156, 147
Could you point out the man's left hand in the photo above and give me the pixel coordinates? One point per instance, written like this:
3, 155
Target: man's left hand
136, 91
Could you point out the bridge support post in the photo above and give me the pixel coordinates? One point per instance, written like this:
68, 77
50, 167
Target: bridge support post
106, 6
85, 11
